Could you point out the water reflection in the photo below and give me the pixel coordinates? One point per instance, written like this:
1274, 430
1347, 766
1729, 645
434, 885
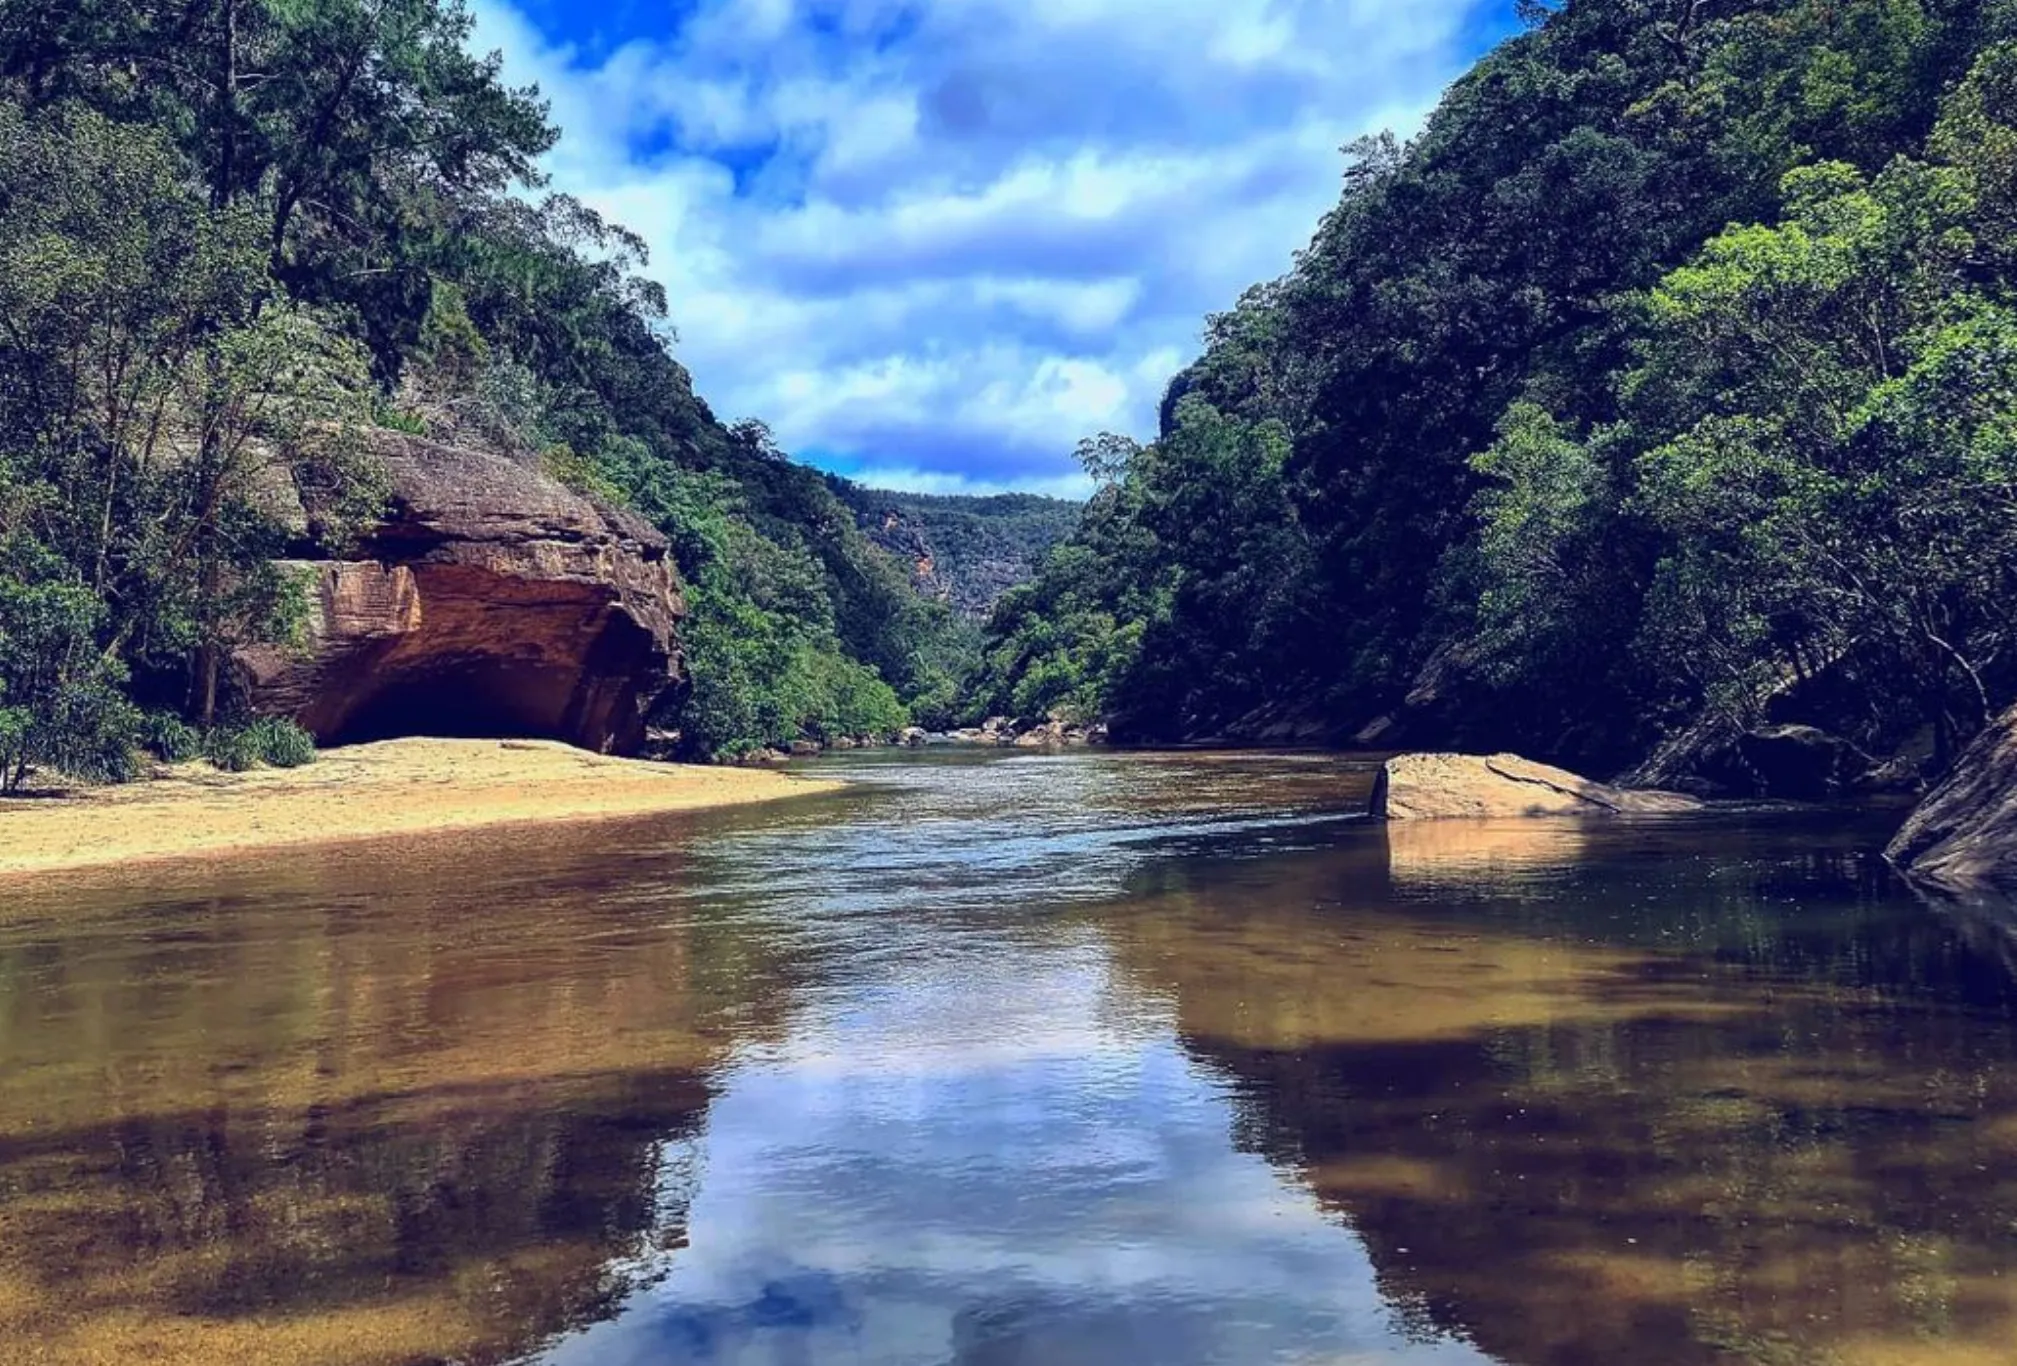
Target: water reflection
1738, 1107
1017, 1059
356, 1110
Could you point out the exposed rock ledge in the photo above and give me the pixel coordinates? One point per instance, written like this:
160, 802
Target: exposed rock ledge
1964, 834
490, 600
1437, 786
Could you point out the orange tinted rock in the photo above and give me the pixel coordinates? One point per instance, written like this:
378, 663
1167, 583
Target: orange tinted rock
1440, 786
489, 600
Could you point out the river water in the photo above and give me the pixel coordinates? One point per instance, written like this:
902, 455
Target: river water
1010, 1058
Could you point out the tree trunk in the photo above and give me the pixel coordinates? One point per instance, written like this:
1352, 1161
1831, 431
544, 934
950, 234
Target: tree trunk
207, 678
227, 157
295, 184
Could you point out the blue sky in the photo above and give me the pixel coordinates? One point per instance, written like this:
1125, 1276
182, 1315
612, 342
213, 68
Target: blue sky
934, 244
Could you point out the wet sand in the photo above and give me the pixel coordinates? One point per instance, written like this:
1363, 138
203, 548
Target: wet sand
395, 788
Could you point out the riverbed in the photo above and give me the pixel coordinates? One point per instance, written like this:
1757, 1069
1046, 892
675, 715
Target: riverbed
1057, 1059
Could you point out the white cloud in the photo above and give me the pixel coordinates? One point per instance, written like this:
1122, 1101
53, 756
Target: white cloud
942, 481
945, 241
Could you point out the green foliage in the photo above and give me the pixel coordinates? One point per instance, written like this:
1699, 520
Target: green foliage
965, 550
231, 748
61, 707
761, 637
1180, 597
169, 738
1663, 377
396, 419
582, 475
280, 742
274, 741
1538, 563
236, 235
1064, 645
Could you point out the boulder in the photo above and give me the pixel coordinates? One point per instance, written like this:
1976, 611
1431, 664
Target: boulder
488, 600
1047, 735
1433, 786
914, 736
1964, 834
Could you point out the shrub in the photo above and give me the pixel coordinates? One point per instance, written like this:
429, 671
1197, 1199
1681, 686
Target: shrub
230, 748
272, 740
282, 743
399, 420
168, 738
60, 702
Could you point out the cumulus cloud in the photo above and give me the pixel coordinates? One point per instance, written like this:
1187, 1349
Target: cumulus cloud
939, 242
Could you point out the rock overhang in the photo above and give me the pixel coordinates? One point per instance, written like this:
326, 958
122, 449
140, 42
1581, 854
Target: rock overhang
487, 599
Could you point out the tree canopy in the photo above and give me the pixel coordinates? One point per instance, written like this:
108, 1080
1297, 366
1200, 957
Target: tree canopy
236, 233
1661, 380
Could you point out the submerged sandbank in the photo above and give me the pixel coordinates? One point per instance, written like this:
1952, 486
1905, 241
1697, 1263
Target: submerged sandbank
391, 789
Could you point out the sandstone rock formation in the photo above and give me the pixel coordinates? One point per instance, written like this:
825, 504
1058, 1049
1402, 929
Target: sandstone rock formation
1432, 786
1964, 834
488, 600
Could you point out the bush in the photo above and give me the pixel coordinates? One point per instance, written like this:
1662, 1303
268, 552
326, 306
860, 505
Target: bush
230, 748
399, 420
61, 707
272, 740
168, 738
282, 743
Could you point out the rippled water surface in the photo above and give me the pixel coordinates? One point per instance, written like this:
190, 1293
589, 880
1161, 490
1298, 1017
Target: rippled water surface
1011, 1058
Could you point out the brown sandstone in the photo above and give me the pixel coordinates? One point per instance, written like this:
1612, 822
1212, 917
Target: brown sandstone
488, 600
1436, 786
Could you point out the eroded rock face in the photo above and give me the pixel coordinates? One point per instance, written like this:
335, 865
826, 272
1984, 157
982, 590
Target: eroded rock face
1437, 786
1964, 834
489, 601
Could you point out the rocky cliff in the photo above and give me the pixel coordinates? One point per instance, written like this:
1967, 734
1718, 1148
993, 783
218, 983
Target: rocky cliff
1964, 834
487, 600
964, 551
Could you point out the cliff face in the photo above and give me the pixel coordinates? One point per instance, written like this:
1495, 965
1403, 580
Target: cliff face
488, 600
964, 551
1964, 834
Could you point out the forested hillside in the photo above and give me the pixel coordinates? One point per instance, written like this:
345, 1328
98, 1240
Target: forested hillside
963, 550
236, 233
1663, 386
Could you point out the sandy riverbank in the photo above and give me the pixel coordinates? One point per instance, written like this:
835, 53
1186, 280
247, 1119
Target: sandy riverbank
394, 789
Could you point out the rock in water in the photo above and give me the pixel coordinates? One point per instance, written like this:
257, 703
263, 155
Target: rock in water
1437, 786
1964, 834
489, 600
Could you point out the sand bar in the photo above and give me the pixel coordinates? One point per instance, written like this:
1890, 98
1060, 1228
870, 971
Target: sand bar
394, 788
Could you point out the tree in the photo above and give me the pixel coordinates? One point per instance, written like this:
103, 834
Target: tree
60, 699
164, 395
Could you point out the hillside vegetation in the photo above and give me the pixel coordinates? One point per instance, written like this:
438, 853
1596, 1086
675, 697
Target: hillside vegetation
235, 232
965, 550
1664, 385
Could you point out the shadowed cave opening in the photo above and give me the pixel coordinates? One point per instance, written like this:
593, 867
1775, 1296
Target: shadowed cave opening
488, 700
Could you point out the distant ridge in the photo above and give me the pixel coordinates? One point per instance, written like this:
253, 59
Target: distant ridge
965, 550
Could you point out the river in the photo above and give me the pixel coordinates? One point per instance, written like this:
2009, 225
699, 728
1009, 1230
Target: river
994, 1058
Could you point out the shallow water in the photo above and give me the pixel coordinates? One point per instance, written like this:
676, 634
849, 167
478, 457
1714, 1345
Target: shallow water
1011, 1058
